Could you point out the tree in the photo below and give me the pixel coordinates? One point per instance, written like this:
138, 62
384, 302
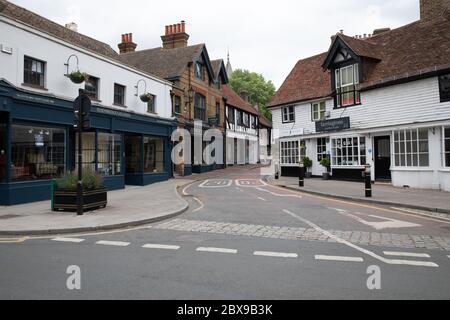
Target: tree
259, 90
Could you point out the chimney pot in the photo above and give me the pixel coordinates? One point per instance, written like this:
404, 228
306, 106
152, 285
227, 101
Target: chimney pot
167, 30
183, 26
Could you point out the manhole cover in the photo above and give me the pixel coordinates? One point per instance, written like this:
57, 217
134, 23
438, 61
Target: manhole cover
9, 216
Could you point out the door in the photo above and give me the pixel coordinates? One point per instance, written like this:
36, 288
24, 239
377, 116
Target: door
382, 158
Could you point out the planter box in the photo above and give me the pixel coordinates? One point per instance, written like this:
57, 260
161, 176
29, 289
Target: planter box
66, 200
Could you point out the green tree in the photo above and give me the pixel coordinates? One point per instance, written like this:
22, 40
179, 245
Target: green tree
259, 90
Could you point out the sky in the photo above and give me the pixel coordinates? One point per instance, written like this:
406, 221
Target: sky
264, 36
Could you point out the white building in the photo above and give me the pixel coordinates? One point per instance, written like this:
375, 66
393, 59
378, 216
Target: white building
129, 140
382, 100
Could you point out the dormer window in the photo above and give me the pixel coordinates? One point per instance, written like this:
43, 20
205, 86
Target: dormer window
346, 79
199, 74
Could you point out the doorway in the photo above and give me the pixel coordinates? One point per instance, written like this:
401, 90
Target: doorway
382, 156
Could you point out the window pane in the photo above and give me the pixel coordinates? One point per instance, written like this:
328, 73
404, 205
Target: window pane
88, 150
133, 151
423, 160
153, 155
423, 134
109, 154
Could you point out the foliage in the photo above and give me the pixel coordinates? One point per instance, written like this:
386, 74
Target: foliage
307, 162
260, 91
91, 181
77, 77
146, 97
325, 162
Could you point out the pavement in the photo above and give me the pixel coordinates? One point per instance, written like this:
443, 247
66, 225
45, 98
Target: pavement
242, 238
128, 207
382, 193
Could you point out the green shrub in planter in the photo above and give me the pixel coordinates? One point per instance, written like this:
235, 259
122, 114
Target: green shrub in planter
77, 77
325, 162
307, 162
91, 181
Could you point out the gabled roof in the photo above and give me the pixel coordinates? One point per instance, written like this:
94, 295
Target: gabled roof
419, 49
234, 100
265, 122
306, 81
219, 70
42, 24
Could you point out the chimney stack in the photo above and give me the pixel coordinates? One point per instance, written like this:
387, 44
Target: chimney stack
127, 44
432, 9
175, 36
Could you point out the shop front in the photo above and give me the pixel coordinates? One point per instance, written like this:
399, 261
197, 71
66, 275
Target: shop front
38, 144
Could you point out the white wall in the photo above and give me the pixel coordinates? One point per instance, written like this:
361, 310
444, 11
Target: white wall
27, 41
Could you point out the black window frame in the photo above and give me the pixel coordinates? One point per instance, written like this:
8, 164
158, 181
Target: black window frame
444, 93
118, 95
199, 110
93, 95
29, 74
231, 116
289, 114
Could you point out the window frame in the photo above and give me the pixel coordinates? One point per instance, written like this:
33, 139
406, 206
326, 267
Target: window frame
445, 151
441, 89
152, 101
350, 85
120, 104
288, 117
341, 159
175, 98
411, 158
199, 68
319, 111
42, 75
95, 97
198, 108
322, 144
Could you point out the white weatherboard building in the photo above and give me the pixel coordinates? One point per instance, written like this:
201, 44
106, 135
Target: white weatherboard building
382, 100
129, 140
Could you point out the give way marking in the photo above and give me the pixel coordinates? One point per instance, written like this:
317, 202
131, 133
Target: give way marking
389, 223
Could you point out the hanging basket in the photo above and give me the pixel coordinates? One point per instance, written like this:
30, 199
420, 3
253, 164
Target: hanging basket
146, 97
77, 77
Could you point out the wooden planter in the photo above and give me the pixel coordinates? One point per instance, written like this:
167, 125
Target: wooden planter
66, 200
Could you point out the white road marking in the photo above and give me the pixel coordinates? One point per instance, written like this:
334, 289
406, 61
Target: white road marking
406, 254
339, 258
201, 205
262, 199
216, 183
279, 194
390, 223
217, 250
160, 246
250, 183
365, 251
275, 254
113, 243
73, 240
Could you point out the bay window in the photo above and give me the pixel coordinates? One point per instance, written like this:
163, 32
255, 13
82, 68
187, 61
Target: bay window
37, 152
346, 79
348, 151
411, 148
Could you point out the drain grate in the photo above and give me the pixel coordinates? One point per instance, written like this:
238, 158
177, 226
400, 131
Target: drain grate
9, 216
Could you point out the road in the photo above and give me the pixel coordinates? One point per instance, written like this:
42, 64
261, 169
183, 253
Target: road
242, 239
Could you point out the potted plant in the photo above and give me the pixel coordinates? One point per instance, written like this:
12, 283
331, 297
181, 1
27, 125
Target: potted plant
325, 162
65, 192
307, 162
77, 77
146, 97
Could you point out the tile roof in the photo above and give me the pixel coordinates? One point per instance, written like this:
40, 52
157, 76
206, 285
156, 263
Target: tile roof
265, 122
216, 64
166, 63
40, 23
306, 81
417, 48
233, 99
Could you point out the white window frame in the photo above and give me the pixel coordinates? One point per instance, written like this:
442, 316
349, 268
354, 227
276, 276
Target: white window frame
348, 84
343, 161
319, 109
444, 151
288, 116
323, 146
411, 158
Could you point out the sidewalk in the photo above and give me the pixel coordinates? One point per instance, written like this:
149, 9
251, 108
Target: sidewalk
429, 200
130, 207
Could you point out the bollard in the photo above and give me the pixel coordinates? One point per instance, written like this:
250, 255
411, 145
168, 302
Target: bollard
368, 181
301, 174
277, 171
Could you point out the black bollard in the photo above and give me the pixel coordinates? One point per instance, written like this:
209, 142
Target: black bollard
301, 175
368, 181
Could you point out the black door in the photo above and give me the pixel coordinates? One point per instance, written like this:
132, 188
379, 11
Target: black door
382, 157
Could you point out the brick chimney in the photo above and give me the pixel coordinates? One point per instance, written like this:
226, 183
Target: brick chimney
431, 9
175, 36
127, 44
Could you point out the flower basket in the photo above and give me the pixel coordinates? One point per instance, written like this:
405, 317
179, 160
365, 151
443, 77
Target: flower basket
77, 77
146, 97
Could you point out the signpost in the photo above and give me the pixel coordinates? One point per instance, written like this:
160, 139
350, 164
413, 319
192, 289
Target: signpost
81, 108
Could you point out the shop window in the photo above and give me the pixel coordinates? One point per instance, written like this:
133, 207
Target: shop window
289, 152
199, 107
108, 154
119, 95
88, 150
346, 79
321, 149
34, 72
411, 148
91, 87
37, 153
153, 155
133, 151
3, 157
318, 111
288, 114
348, 152
447, 147
444, 87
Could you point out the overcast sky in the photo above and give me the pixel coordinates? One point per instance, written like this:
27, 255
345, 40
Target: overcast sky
265, 36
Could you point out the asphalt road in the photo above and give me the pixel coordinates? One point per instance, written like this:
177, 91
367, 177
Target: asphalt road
242, 239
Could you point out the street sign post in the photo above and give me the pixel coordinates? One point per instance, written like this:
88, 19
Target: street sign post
82, 108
